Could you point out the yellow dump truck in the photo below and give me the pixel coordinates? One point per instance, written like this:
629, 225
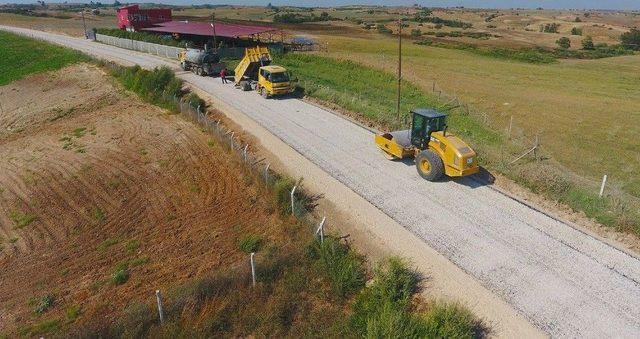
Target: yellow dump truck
255, 72
436, 152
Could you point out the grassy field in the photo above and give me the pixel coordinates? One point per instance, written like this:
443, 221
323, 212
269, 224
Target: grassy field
20, 57
586, 112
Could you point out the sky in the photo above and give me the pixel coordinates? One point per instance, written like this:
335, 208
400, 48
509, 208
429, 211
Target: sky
577, 4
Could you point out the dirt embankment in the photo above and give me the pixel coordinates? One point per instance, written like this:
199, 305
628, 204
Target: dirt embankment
90, 178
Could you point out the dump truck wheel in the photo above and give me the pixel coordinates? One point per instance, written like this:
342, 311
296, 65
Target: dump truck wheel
429, 165
183, 65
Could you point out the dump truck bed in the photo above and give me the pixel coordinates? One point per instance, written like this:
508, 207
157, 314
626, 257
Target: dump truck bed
253, 59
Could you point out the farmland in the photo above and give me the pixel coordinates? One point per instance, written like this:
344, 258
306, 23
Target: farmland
31, 57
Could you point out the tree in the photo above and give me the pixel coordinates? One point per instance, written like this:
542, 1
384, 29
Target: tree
631, 39
577, 19
576, 31
116, 3
550, 28
564, 42
587, 43
416, 32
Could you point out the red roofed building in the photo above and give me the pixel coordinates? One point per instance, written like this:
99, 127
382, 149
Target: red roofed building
159, 21
133, 18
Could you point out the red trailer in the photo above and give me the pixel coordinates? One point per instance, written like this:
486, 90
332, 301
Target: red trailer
133, 18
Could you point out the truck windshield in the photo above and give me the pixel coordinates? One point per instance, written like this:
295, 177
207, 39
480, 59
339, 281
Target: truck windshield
279, 77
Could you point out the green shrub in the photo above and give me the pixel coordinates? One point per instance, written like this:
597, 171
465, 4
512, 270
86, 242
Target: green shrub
158, 86
120, 276
342, 265
73, 313
44, 304
282, 190
194, 101
99, 214
41, 328
576, 31
450, 321
393, 285
550, 28
383, 29
22, 220
587, 44
249, 243
631, 40
564, 42
106, 244
132, 246
391, 321
440, 22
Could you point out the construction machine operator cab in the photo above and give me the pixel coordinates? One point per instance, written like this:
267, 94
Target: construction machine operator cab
424, 122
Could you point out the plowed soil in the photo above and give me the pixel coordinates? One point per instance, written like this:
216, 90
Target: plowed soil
90, 177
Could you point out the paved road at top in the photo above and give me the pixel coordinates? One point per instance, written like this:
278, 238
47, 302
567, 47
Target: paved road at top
564, 281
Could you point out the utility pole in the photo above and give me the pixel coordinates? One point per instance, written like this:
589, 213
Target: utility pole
399, 67
213, 25
84, 24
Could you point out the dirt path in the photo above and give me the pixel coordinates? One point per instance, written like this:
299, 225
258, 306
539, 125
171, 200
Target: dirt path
566, 282
91, 178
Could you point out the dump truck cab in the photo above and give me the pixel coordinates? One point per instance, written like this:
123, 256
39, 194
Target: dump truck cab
436, 151
273, 80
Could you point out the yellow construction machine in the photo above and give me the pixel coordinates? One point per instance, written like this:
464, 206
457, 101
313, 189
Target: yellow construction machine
255, 72
436, 151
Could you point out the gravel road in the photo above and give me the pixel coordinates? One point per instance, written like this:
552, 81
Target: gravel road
566, 282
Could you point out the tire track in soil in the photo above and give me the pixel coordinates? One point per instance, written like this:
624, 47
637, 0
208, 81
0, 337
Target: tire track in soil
182, 200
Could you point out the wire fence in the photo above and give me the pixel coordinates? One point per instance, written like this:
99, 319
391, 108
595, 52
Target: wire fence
299, 205
257, 166
165, 51
525, 147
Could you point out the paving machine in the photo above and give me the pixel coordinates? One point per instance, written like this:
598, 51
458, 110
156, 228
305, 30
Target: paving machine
436, 151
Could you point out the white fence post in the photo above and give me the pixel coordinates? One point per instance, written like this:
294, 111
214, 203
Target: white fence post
510, 126
604, 182
160, 311
266, 174
244, 152
293, 191
253, 268
321, 229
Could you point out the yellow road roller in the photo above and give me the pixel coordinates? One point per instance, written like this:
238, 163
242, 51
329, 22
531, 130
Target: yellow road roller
436, 151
